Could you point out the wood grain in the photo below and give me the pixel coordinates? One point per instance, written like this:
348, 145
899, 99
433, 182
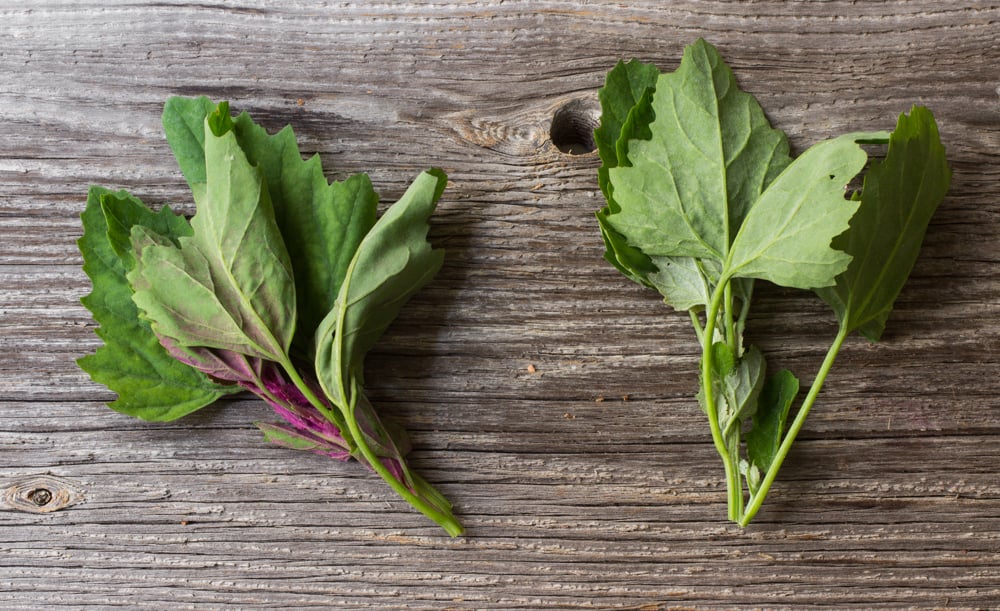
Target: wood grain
587, 481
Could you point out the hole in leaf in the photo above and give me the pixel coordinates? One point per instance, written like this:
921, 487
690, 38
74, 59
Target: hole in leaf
573, 128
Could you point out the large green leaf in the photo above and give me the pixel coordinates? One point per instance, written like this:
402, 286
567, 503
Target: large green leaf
150, 384
899, 196
786, 236
684, 282
322, 222
229, 286
710, 154
392, 263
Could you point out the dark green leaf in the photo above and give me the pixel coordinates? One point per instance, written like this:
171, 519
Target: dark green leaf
624, 86
150, 384
184, 126
768, 429
322, 223
899, 196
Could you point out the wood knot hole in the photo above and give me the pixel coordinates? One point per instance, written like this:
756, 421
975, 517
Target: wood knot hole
573, 126
40, 496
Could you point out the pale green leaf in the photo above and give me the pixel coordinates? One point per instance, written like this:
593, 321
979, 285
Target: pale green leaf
710, 154
624, 86
742, 386
392, 263
321, 222
681, 282
229, 286
787, 234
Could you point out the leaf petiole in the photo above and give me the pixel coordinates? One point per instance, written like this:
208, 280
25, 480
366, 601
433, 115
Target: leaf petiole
733, 482
429, 509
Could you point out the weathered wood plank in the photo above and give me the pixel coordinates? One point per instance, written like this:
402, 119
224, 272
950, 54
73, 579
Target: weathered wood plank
588, 481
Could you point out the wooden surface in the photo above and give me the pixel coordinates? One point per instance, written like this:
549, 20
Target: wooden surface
588, 483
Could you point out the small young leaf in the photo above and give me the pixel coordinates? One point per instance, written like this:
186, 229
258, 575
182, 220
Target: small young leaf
769, 420
150, 384
742, 386
899, 196
786, 236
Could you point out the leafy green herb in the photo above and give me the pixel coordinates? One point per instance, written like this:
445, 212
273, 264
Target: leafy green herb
280, 284
703, 199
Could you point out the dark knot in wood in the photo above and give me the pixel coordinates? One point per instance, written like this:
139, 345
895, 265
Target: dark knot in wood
41, 494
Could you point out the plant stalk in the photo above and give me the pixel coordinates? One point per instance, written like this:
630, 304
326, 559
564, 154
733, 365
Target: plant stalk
793, 430
442, 518
734, 485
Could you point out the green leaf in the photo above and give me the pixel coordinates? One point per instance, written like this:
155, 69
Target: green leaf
681, 282
627, 87
787, 234
287, 436
899, 196
392, 263
723, 363
624, 86
775, 401
150, 384
229, 286
322, 222
122, 212
184, 126
742, 386
710, 154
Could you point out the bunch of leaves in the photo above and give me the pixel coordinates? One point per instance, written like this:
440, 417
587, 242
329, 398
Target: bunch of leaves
279, 285
704, 199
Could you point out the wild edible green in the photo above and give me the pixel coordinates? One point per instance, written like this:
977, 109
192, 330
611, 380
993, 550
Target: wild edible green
280, 284
703, 199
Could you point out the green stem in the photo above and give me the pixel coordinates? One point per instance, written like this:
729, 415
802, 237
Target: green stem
443, 518
793, 430
730, 324
734, 484
698, 331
